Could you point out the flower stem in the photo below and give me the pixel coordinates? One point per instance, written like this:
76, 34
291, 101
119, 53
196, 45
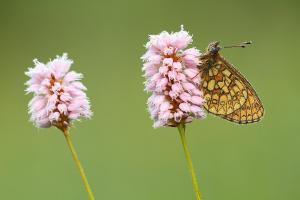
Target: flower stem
80, 168
181, 128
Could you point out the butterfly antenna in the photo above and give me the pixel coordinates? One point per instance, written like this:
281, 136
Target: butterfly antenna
242, 45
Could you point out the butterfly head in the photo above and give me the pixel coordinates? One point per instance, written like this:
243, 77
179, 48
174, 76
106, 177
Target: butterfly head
214, 47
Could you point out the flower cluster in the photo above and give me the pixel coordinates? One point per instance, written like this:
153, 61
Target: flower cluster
59, 96
173, 77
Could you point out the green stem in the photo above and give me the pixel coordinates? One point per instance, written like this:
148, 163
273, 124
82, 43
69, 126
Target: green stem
76, 159
181, 128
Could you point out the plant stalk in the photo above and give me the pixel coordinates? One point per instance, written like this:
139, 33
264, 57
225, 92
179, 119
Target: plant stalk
78, 164
181, 128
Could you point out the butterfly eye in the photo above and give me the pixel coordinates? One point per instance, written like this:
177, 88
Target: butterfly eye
214, 49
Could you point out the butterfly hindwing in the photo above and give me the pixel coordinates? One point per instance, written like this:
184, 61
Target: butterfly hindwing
251, 111
228, 94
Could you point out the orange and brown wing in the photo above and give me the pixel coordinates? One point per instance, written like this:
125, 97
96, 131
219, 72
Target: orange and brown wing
251, 111
228, 94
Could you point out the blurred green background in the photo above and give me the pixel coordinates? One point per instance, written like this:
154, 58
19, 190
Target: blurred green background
124, 157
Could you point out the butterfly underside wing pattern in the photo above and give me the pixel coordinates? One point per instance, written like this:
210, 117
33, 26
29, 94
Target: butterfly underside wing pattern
226, 91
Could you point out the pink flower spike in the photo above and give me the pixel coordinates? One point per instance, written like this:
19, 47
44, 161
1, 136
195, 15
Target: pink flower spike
172, 76
55, 90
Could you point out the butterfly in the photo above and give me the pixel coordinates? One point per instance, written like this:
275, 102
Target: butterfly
227, 93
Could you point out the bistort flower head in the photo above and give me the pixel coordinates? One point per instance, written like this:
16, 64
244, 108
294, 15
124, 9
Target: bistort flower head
59, 96
173, 78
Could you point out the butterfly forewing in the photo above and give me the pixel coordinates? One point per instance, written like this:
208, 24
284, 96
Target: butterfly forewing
228, 94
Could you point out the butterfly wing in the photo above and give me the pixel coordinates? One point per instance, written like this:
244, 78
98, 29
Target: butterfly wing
251, 111
228, 94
